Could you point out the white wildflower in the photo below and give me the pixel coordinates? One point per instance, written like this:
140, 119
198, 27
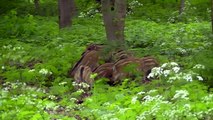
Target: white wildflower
156, 71
164, 65
2, 67
152, 91
73, 99
63, 83
80, 91
45, 71
52, 97
134, 99
173, 64
151, 75
173, 78
188, 77
149, 98
162, 44
32, 70
176, 69
183, 51
200, 78
106, 104
140, 93
50, 105
34, 95
166, 72
199, 66
84, 85
183, 94
208, 98
123, 110
74, 84
187, 106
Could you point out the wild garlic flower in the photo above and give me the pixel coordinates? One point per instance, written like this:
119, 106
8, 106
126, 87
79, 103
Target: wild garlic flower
134, 99
152, 91
80, 91
122, 111
156, 71
50, 105
45, 71
2, 67
175, 77
208, 98
106, 104
140, 93
63, 83
188, 77
182, 50
52, 97
7, 46
176, 69
173, 64
17, 48
166, 72
183, 94
32, 70
187, 106
73, 99
83, 85
199, 78
149, 98
74, 83
199, 66
170, 64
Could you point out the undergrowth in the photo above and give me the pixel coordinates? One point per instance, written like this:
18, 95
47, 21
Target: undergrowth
35, 58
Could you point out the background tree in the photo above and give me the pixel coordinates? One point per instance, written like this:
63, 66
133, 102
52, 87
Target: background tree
182, 5
212, 16
67, 9
36, 3
114, 12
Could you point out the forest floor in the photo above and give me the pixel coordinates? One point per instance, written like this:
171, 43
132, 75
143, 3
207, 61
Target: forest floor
35, 58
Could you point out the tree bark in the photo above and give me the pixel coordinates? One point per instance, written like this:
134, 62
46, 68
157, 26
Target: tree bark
36, 3
66, 8
212, 16
182, 6
73, 8
108, 16
114, 12
120, 13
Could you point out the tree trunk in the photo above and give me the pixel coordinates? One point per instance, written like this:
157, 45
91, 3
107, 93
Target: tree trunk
73, 8
120, 13
65, 12
212, 16
182, 5
36, 3
114, 12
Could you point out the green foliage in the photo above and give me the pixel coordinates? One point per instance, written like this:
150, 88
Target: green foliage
165, 102
25, 7
35, 58
26, 27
